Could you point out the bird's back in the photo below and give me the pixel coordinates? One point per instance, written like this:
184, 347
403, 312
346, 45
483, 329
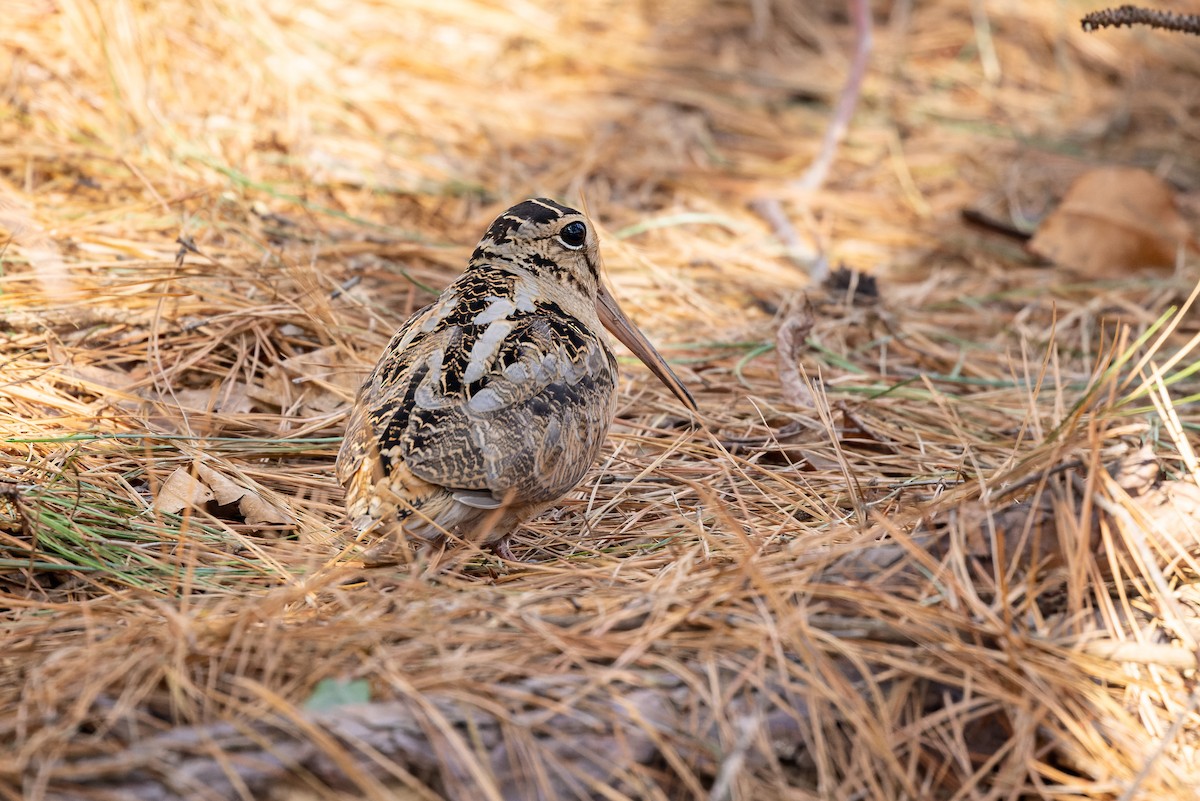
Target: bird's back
494, 396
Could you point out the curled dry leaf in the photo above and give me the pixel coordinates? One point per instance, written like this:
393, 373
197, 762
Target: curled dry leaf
1112, 221
224, 491
252, 506
180, 491
196, 486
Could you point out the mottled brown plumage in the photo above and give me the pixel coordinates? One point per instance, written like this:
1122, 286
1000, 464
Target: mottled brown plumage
492, 402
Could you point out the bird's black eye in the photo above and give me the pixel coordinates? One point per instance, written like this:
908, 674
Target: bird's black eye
573, 235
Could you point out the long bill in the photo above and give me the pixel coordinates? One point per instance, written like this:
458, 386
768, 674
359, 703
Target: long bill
620, 326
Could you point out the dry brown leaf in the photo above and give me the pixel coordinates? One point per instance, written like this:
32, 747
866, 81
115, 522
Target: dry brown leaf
253, 508
233, 399
100, 377
259, 512
224, 491
1112, 221
181, 490
228, 398
196, 486
320, 381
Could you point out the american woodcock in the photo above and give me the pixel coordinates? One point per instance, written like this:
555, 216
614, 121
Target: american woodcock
493, 401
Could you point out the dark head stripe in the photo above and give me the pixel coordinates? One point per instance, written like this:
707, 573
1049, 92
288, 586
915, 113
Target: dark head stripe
543, 209
538, 210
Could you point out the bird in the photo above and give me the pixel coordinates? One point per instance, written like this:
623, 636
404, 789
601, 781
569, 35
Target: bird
492, 402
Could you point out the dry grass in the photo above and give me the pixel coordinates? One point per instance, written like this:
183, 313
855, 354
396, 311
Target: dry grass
944, 544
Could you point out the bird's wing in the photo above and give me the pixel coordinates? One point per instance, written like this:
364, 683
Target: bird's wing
522, 421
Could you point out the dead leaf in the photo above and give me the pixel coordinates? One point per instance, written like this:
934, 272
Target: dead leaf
252, 507
180, 491
126, 391
224, 491
1111, 222
91, 377
320, 381
232, 398
200, 485
259, 512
